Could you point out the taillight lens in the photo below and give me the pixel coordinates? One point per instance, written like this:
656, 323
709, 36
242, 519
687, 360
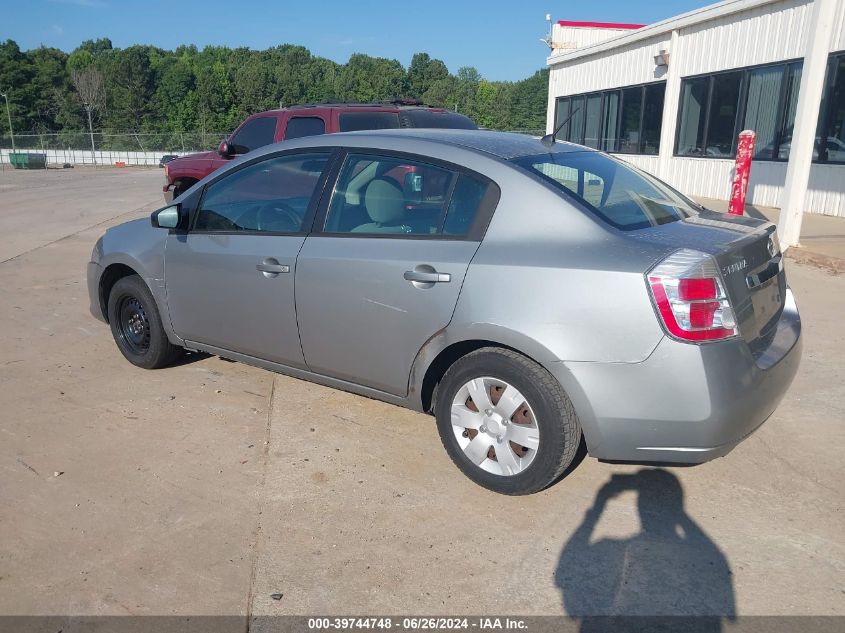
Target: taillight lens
690, 297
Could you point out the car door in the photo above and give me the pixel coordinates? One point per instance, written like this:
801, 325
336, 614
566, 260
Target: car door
255, 132
230, 278
383, 272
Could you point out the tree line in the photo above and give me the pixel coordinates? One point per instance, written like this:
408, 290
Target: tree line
145, 89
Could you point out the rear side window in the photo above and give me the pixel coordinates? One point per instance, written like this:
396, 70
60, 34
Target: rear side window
381, 195
301, 126
352, 121
254, 134
621, 196
271, 195
436, 119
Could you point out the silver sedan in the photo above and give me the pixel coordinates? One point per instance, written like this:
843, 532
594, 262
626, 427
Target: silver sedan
532, 297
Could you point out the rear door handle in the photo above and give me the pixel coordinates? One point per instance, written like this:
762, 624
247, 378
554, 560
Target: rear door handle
427, 277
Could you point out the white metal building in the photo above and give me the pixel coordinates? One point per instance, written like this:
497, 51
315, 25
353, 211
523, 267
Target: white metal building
672, 98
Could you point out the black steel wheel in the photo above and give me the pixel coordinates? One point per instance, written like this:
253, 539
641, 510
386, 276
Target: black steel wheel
136, 325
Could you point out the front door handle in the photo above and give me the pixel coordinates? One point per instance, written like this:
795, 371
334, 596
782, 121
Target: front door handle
271, 267
427, 277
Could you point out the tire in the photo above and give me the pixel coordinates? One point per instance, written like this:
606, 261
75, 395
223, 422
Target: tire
545, 421
136, 325
182, 187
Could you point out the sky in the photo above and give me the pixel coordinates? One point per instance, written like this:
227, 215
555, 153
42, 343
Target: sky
501, 38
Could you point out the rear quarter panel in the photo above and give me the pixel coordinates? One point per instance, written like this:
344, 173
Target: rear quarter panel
547, 271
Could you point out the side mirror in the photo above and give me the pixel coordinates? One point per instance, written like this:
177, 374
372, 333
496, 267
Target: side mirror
225, 150
166, 218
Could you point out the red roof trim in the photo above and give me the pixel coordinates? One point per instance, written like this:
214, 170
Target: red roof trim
600, 25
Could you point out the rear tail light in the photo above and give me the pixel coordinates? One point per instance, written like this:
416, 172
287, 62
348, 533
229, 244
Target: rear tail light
690, 297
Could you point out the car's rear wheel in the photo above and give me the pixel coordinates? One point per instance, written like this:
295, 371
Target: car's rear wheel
506, 422
136, 325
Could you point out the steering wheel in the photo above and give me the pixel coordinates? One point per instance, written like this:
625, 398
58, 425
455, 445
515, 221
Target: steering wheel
279, 216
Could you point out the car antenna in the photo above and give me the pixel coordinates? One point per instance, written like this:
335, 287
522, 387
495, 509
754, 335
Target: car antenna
549, 139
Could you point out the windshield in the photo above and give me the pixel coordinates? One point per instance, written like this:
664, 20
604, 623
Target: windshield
622, 196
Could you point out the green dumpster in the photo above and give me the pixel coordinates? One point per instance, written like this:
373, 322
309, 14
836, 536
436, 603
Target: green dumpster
21, 160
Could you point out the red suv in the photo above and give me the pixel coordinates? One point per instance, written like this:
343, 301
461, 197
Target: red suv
273, 126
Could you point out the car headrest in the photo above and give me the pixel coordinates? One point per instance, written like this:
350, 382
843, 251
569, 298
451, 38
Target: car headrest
385, 203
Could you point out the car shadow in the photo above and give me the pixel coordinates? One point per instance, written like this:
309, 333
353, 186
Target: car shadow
670, 568
189, 357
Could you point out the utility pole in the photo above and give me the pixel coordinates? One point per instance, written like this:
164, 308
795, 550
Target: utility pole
91, 133
9, 115
806, 116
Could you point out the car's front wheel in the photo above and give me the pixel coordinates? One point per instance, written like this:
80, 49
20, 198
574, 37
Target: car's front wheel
136, 325
506, 422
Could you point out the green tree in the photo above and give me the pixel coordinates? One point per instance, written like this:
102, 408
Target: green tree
423, 73
148, 89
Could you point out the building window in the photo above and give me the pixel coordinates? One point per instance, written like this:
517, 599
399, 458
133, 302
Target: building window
592, 121
715, 108
694, 95
626, 120
652, 118
761, 109
629, 124
793, 82
830, 135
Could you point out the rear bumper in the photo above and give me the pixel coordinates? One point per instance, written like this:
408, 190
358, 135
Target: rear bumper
168, 193
685, 403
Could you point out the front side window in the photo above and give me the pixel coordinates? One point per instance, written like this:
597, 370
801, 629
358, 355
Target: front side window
381, 195
616, 193
300, 126
272, 195
254, 134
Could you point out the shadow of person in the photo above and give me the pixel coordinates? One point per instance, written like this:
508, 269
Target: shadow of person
671, 568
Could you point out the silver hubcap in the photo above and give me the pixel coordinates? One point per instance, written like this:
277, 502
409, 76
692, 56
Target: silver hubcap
495, 426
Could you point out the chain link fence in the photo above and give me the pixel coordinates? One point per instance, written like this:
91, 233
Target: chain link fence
168, 142
131, 148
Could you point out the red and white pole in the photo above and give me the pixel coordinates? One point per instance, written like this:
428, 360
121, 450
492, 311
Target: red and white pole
744, 154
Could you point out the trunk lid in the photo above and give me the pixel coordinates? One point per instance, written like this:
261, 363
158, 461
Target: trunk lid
749, 259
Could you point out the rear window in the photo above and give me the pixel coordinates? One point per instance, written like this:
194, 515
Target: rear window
352, 121
623, 197
436, 119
